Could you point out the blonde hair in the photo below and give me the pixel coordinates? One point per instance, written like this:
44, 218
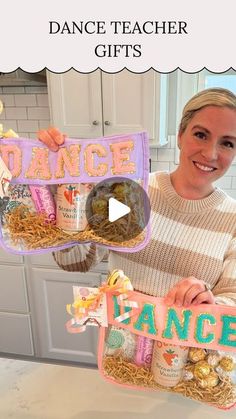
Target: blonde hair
208, 97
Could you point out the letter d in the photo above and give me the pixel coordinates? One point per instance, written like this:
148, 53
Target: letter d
51, 22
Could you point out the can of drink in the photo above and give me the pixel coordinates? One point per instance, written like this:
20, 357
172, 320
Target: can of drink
71, 206
168, 363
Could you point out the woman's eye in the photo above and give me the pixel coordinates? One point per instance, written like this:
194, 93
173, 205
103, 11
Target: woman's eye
228, 144
200, 134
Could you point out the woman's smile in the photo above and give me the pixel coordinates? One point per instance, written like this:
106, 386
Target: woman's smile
203, 167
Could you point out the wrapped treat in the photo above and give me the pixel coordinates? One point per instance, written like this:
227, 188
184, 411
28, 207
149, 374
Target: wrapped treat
202, 369
144, 350
19, 195
43, 201
188, 374
120, 342
196, 354
212, 380
227, 363
213, 359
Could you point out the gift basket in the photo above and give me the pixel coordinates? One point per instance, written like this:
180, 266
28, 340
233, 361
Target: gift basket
45, 207
147, 346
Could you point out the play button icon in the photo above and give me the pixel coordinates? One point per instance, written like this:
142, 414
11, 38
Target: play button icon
116, 210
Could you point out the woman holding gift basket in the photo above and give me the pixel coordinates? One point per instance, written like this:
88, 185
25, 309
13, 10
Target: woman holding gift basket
191, 257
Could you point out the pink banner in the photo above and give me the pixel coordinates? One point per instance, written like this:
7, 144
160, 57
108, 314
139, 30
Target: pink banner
203, 326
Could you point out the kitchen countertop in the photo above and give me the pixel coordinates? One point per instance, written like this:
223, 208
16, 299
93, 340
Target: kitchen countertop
31, 390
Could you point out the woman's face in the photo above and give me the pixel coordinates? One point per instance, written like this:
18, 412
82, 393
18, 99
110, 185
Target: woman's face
207, 146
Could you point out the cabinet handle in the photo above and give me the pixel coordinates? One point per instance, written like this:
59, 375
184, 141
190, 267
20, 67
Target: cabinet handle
95, 122
107, 123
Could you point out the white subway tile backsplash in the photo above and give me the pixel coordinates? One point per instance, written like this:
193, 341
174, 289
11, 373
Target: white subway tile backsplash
16, 112
28, 126
42, 100
173, 141
224, 183
153, 153
159, 166
25, 100
3, 115
13, 89
36, 89
32, 135
234, 183
44, 124
7, 100
38, 113
232, 170
164, 154
7, 124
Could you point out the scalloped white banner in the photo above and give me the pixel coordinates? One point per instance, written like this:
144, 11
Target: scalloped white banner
114, 35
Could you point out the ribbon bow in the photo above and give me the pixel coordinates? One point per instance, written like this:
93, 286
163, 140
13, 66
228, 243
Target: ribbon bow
117, 284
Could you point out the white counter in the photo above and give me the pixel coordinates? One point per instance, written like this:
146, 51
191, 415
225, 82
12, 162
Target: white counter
41, 391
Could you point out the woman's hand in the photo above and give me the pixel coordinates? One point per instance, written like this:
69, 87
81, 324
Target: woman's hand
51, 137
189, 291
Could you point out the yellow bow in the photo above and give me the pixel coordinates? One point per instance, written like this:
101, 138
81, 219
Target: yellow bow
116, 282
7, 134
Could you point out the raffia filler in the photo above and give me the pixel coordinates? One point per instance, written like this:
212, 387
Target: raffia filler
124, 372
34, 231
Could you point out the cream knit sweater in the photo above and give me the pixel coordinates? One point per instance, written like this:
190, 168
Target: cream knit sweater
189, 238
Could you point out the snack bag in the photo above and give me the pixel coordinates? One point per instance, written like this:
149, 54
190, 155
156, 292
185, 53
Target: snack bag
148, 346
58, 199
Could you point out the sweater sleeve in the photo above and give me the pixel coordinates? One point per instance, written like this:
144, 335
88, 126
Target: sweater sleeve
80, 258
225, 289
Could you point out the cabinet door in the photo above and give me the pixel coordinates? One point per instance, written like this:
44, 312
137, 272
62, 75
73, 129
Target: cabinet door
50, 291
16, 336
13, 294
129, 102
9, 257
76, 103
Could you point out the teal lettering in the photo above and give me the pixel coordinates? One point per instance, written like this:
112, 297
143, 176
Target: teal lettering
227, 331
117, 312
200, 328
173, 320
146, 317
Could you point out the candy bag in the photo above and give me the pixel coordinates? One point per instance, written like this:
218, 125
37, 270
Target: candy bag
145, 345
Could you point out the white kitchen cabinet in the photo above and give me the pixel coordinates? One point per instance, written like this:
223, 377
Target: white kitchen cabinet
33, 297
101, 104
15, 316
75, 103
50, 291
6, 257
16, 334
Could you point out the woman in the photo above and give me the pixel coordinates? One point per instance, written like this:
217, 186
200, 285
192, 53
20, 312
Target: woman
191, 258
